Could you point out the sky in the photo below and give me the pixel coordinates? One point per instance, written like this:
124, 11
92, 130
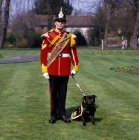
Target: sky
84, 5
79, 4
22, 5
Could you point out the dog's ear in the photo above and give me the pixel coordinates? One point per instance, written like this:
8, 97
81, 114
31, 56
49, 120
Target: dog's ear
84, 97
94, 96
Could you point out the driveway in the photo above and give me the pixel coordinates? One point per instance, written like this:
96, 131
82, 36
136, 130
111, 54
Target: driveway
20, 59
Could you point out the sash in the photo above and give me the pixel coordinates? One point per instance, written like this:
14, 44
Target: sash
57, 49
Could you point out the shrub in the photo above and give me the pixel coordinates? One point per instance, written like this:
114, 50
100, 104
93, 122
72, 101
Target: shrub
80, 38
22, 43
11, 38
1, 56
34, 40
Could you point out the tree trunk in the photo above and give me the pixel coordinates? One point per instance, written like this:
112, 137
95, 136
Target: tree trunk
4, 24
0, 15
134, 44
50, 21
107, 24
105, 36
50, 15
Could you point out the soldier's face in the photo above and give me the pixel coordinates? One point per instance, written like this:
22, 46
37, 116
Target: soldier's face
60, 25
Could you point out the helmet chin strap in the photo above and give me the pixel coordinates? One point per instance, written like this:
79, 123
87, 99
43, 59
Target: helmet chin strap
60, 29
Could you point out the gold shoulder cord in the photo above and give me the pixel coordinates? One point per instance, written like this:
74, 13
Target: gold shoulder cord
53, 41
63, 39
56, 38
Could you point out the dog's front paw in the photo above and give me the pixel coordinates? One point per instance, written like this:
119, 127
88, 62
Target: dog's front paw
93, 122
84, 124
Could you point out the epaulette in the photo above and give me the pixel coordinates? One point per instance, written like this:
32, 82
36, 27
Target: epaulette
46, 34
73, 35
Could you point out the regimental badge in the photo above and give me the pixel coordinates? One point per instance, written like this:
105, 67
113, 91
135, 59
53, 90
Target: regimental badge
61, 15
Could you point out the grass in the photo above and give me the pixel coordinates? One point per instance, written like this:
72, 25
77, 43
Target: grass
24, 99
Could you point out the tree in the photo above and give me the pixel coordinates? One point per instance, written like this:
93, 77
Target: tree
104, 14
127, 20
23, 23
135, 7
0, 14
4, 24
43, 6
23, 28
130, 28
51, 7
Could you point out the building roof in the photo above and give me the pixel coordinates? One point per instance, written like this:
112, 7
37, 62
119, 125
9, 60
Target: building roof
72, 21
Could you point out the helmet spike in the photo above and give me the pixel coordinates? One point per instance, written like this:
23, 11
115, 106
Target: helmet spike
60, 16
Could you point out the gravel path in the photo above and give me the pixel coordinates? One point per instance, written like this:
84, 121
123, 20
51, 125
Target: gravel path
21, 59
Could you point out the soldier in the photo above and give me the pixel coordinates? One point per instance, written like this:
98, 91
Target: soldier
57, 54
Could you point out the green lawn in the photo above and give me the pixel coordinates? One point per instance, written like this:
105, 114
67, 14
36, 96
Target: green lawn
24, 98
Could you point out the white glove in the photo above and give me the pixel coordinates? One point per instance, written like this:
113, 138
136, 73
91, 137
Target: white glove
73, 72
46, 75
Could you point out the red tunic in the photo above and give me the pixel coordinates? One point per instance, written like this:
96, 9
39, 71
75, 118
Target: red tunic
61, 66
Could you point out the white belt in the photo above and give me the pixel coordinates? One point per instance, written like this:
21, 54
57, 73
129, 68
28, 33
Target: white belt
62, 55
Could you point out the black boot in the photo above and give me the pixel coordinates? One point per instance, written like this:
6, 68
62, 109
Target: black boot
65, 119
52, 120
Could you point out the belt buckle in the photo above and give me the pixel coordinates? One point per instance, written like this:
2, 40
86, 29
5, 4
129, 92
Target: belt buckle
60, 55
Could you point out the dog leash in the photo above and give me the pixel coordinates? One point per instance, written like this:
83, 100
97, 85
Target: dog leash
77, 84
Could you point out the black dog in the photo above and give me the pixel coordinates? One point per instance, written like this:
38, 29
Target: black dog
86, 109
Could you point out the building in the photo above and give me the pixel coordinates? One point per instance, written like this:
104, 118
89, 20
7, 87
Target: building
81, 23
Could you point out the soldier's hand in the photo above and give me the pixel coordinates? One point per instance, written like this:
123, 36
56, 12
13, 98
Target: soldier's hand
46, 75
73, 72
